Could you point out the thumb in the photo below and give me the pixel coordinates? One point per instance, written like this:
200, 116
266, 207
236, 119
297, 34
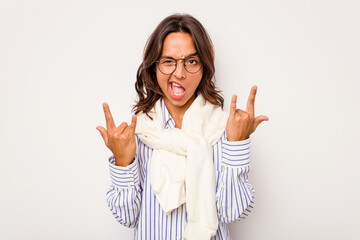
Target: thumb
103, 134
233, 104
260, 119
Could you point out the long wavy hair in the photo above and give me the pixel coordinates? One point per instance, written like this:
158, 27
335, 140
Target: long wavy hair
146, 85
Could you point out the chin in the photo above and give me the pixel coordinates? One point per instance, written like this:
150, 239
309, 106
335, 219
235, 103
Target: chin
178, 103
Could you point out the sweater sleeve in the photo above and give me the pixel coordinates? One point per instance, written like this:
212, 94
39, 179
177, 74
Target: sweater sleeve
234, 193
124, 194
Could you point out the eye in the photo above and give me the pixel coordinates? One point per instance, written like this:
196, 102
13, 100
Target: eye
192, 61
167, 61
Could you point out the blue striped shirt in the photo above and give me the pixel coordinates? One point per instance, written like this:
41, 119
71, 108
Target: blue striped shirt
134, 205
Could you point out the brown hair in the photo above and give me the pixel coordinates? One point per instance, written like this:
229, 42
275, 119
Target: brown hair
146, 84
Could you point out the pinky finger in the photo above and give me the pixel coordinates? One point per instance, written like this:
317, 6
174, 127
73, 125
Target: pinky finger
103, 134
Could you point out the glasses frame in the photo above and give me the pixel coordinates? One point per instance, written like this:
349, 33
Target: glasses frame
176, 61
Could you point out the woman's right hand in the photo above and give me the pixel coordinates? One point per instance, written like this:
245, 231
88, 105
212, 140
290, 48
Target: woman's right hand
120, 140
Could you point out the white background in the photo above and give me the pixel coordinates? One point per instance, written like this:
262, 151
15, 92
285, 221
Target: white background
59, 60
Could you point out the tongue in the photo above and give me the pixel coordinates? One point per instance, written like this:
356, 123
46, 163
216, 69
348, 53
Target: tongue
177, 90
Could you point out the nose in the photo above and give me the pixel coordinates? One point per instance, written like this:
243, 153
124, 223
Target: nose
180, 69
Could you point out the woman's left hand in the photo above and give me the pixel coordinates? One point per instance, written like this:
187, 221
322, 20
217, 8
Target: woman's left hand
241, 124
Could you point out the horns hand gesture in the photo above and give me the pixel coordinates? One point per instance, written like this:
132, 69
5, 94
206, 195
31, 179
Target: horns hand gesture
120, 140
241, 123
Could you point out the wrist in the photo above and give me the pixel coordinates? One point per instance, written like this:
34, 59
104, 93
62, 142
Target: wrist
236, 139
122, 162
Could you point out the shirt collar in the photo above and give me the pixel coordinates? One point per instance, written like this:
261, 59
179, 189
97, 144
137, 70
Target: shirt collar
168, 120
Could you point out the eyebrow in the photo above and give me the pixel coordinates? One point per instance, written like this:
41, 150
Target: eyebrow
190, 55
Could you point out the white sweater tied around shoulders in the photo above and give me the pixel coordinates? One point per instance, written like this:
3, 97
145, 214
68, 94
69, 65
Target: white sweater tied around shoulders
181, 166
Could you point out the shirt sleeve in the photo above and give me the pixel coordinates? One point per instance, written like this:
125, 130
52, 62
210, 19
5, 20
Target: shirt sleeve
234, 193
124, 194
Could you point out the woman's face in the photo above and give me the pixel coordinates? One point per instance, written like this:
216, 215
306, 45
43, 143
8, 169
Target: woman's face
178, 87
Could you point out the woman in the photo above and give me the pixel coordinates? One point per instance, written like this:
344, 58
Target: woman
180, 169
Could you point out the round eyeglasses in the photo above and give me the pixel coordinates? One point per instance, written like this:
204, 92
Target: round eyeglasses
167, 65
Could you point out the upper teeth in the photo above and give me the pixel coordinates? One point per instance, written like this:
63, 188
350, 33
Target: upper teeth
176, 85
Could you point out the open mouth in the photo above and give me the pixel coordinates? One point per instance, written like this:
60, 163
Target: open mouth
177, 91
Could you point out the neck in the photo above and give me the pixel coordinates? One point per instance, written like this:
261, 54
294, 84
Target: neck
177, 112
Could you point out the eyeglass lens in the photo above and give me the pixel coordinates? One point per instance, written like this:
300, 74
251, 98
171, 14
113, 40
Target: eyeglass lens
167, 65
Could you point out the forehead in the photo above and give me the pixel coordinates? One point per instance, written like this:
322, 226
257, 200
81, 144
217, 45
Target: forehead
178, 45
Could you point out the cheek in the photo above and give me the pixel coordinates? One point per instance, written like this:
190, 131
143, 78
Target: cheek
197, 79
161, 80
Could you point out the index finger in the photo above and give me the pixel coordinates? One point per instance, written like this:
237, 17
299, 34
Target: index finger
251, 101
109, 119
233, 104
